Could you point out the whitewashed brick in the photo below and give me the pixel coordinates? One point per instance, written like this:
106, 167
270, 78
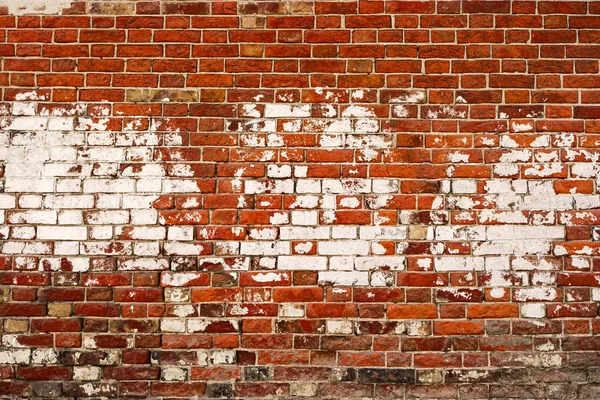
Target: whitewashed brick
370, 263
108, 185
303, 233
180, 233
172, 325
533, 310
341, 263
459, 263
282, 171
306, 218
340, 327
346, 186
344, 247
273, 187
287, 110
86, 373
34, 217
291, 310
383, 232
69, 201
62, 232
343, 232
297, 262
339, 278
265, 248
308, 186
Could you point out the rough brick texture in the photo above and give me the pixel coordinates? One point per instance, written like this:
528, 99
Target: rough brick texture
373, 199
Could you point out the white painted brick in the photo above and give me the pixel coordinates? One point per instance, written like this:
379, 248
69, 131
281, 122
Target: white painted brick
263, 233
291, 310
24, 108
497, 263
383, 232
548, 202
370, 263
343, 232
287, 110
86, 373
303, 233
144, 217
78, 264
139, 201
68, 186
171, 374
108, 185
539, 278
101, 232
144, 264
306, 218
499, 247
308, 186
172, 325
305, 201
338, 278
62, 232
533, 310
143, 170
108, 201
346, 186
143, 233
344, 247
385, 186
14, 247
22, 232
61, 124
533, 232
30, 201
69, 201
27, 123
463, 186
274, 187
70, 217
297, 262
180, 233
459, 263
382, 278
66, 248
33, 217
180, 186
42, 185
585, 202
535, 294
8, 201
117, 217
222, 356
283, 171
341, 263
340, 327
102, 154
300, 171
447, 232
183, 248
265, 248
538, 188
44, 356
148, 185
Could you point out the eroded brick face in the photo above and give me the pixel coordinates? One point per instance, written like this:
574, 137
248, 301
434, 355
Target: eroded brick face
382, 199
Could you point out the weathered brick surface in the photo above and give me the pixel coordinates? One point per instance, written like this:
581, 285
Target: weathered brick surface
328, 199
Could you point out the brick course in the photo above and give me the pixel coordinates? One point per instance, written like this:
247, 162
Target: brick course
328, 199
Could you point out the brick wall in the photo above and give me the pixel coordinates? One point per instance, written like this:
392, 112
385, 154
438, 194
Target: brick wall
295, 199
